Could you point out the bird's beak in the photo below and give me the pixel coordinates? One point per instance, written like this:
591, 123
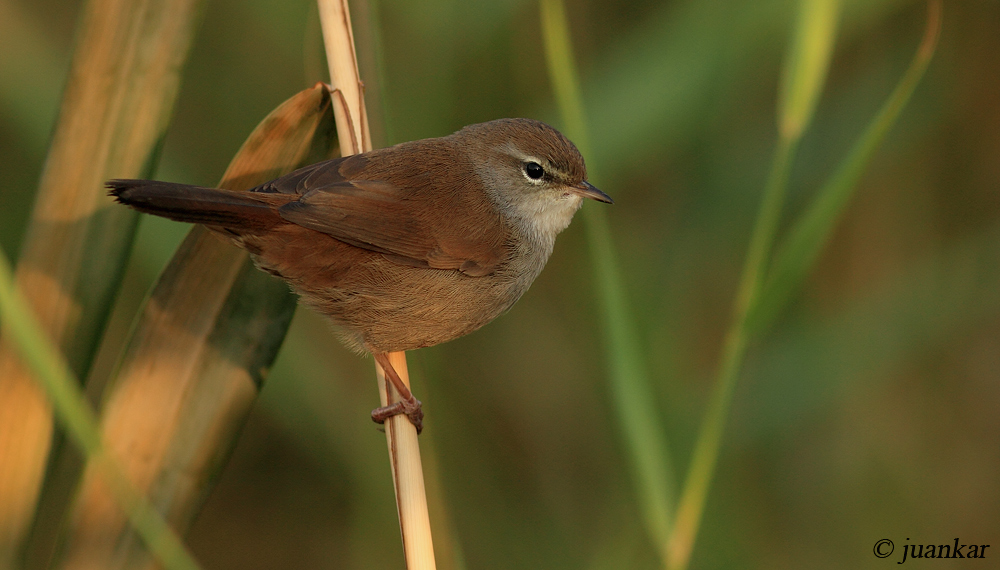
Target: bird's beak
588, 190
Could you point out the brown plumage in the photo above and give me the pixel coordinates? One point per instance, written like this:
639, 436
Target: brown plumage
407, 246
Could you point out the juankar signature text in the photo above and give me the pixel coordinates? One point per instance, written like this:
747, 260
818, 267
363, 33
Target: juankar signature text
884, 548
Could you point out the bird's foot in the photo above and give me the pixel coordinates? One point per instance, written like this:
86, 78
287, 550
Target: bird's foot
411, 408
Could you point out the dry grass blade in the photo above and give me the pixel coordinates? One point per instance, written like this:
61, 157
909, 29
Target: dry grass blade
76, 414
401, 436
114, 110
198, 354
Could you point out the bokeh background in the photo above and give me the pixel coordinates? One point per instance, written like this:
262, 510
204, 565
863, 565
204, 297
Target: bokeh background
870, 411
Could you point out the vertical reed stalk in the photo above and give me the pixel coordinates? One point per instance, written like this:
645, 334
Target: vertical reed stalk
401, 436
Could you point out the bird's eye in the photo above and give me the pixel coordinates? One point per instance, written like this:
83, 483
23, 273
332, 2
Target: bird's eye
534, 170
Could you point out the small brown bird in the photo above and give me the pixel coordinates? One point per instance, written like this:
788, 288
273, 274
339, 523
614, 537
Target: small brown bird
402, 247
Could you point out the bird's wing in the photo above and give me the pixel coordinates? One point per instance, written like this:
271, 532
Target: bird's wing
408, 220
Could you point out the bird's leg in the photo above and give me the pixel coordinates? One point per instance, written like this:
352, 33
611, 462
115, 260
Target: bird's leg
406, 405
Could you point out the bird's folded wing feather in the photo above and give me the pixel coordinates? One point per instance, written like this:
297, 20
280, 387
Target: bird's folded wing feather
440, 228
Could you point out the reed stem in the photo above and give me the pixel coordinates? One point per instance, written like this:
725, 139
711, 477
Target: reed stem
400, 435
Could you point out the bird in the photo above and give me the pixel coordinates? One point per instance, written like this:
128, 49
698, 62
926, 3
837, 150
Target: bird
406, 246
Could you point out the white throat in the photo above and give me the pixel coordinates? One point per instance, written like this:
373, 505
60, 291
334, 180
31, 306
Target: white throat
544, 214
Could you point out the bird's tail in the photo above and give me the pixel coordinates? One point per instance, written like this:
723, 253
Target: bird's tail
242, 211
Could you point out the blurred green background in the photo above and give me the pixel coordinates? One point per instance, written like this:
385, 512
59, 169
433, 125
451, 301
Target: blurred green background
870, 410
